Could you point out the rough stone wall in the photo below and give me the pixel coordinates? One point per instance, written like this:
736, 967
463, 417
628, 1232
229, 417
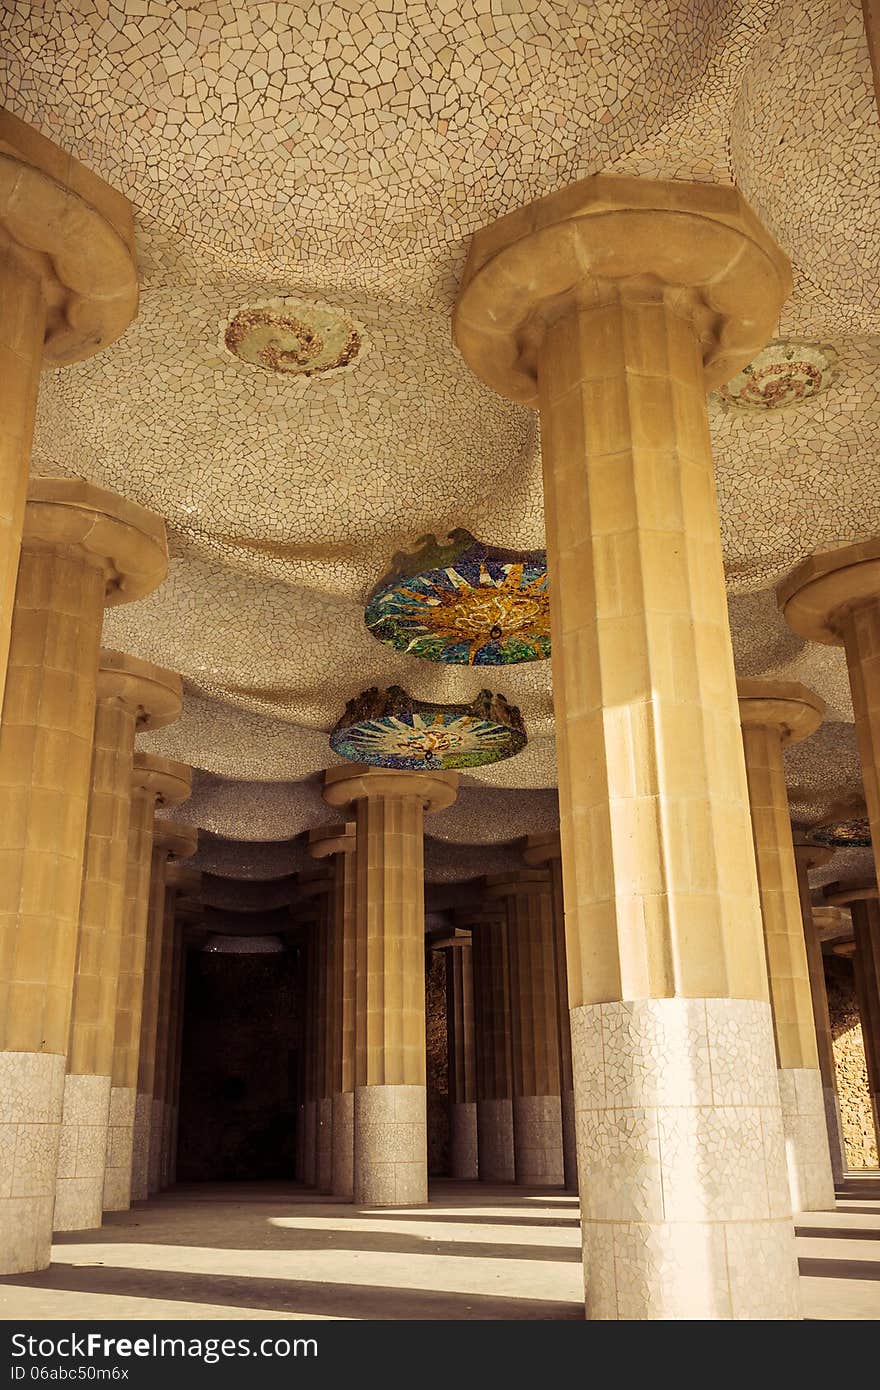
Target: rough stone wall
859, 1138
438, 1064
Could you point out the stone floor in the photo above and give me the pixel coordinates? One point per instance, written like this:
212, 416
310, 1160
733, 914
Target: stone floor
268, 1251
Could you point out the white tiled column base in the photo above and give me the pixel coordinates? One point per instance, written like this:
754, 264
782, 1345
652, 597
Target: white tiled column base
82, 1153
120, 1143
140, 1149
569, 1142
495, 1140
154, 1163
343, 1144
537, 1140
390, 1146
324, 1145
685, 1203
806, 1139
31, 1095
463, 1140
834, 1126
310, 1143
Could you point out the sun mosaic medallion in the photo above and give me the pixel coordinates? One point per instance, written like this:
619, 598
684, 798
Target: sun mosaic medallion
388, 728
783, 374
294, 337
464, 603
842, 834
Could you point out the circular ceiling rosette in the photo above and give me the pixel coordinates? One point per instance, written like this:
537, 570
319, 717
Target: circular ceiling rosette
842, 834
388, 728
464, 603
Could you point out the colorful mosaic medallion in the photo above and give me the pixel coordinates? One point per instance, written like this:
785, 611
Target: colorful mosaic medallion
464, 603
388, 728
782, 374
294, 337
842, 834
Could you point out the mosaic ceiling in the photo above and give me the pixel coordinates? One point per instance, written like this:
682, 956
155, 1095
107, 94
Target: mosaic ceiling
305, 178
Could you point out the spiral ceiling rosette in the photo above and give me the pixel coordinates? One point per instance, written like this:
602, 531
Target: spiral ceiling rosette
464, 603
842, 834
388, 728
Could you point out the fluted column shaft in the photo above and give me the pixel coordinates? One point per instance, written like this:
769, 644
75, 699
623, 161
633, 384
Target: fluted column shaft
461, 1043
866, 965
140, 1165
163, 1044
494, 1062
806, 856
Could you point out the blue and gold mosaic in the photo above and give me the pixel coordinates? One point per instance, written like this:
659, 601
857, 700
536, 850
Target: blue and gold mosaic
388, 728
842, 834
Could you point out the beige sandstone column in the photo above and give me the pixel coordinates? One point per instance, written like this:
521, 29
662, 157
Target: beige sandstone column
132, 696
534, 1027
68, 288
807, 857
390, 1125
774, 714
461, 1043
314, 891
82, 548
546, 849
187, 913
487, 921
155, 782
862, 901
338, 841
613, 306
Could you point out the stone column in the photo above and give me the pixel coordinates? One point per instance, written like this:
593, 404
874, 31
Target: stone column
807, 857
338, 841
187, 912
181, 842
390, 1125
132, 696
488, 925
463, 1152
862, 901
317, 885
546, 849
82, 548
68, 288
155, 782
613, 306
534, 1026
774, 714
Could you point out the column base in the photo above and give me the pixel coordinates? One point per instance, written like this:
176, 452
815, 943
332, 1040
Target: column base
463, 1161
684, 1194
120, 1145
82, 1154
310, 1143
31, 1099
495, 1140
154, 1164
834, 1125
537, 1141
343, 1145
140, 1153
324, 1145
806, 1139
390, 1146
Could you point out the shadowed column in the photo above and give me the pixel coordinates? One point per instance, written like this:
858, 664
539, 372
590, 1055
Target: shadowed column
463, 1160
179, 881
487, 922
862, 901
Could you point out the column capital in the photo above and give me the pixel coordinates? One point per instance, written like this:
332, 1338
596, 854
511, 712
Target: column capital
517, 882
842, 894
830, 922
125, 538
152, 694
786, 706
75, 234
169, 782
577, 246
353, 782
326, 840
809, 855
175, 838
541, 847
817, 596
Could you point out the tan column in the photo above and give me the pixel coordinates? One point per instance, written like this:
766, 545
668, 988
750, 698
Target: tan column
155, 782
774, 714
613, 306
534, 1026
81, 549
461, 1046
181, 882
390, 1127
487, 921
187, 912
132, 696
338, 841
68, 287
862, 901
807, 857
545, 849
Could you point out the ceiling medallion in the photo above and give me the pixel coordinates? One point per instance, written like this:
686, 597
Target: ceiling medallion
388, 728
464, 603
842, 834
784, 373
294, 337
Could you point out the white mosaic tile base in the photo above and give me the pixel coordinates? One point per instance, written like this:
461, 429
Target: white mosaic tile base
120, 1144
343, 1144
82, 1153
806, 1139
140, 1151
537, 1141
685, 1203
463, 1140
495, 1140
324, 1145
390, 1146
31, 1094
